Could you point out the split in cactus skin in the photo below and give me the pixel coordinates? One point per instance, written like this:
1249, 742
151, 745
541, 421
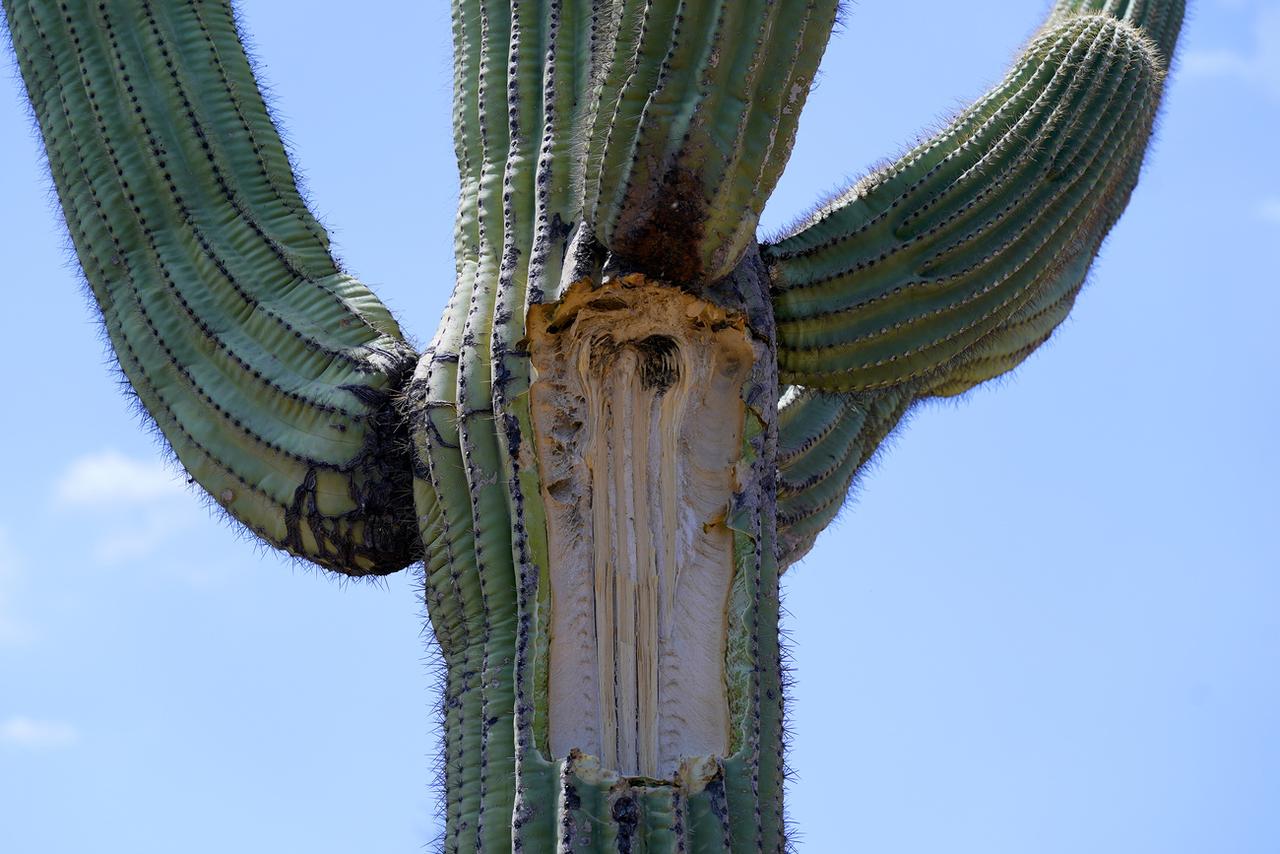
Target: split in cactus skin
634, 416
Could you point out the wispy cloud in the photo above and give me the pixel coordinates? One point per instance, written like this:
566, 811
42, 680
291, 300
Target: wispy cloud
111, 479
134, 497
32, 734
12, 630
1257, 64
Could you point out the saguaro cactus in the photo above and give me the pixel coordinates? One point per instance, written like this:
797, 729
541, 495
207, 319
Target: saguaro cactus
633, 416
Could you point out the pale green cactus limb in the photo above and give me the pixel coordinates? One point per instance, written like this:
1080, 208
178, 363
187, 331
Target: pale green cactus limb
916, 264
269, 371
825, 438
702, 127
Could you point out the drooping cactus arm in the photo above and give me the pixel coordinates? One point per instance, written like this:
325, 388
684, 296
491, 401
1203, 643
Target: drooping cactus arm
695, 121
269, 371
897, 279
1010, 343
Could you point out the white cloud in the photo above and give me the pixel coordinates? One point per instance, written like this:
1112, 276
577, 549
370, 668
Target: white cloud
1269, 209
37, 735
111, 479
1258, 64
130, 506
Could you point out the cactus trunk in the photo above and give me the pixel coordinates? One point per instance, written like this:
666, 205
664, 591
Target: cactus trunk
613, 676
603, 393
607, 472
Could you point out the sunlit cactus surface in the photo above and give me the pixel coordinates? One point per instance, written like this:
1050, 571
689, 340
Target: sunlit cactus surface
634, 415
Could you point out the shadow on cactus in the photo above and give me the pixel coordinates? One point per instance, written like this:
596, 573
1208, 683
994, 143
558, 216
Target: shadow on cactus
634, 416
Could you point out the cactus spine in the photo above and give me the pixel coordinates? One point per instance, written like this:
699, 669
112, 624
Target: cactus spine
633, 416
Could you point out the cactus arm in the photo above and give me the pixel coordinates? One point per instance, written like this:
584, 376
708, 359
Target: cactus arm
956, 197
1026, 329
826, 438
1158, 20
269, 371
898, 279
700, 127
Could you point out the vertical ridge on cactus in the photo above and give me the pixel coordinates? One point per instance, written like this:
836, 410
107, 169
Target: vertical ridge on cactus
632, 417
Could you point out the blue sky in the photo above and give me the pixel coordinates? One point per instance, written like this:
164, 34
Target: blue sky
1049, 622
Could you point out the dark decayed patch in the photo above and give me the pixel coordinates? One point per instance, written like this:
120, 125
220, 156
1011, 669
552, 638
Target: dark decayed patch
381, 482
658, 357
626, 814
660, 230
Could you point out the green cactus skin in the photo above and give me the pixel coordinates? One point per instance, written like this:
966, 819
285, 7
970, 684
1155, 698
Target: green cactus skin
601, 145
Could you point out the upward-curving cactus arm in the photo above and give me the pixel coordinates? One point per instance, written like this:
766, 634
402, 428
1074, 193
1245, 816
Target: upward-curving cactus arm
915, 265
951, 266
270, 372
694, 126
1158, 20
